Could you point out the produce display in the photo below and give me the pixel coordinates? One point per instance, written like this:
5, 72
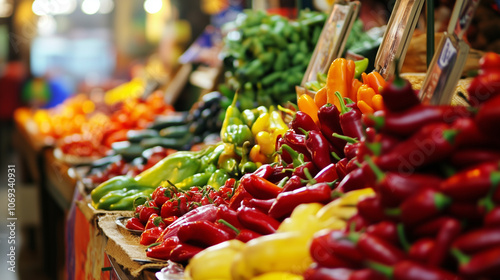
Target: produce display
266, 56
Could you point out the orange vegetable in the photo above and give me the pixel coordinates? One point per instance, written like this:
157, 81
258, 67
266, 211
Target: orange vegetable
364, 108
350, 68
321, 97
378, 102
374, 80
336, 80
307, 105
355, 87
365, 93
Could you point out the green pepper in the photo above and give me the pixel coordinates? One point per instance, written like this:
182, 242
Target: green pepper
114, 197
233, 116
218, 179
198, 179
360, 67
127, 203
238, 134
248, 117
115, 183
175, 168
230, 166
211, 157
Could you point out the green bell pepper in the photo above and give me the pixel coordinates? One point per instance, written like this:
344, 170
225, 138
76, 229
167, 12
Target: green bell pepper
218, 179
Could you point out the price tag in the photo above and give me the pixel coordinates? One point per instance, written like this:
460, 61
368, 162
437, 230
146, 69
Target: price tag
462, 15
332, 40
397, 36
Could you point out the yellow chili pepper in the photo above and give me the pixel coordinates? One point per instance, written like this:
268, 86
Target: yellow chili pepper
364, 108
261, 123
307, 105
374, 80
378, 102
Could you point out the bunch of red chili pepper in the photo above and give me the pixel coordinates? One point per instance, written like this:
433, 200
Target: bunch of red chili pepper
436, 212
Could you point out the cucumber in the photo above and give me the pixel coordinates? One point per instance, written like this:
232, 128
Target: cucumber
135, 136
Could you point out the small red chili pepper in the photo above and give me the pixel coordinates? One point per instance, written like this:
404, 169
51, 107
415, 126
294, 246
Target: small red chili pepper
465, 158
262, 204
446, 234
477, 240
300, 170
162, 250
366, 274
342, 167
398, 94
202, 233
155, 221
206, 212
264, 171
377, 249
239, 195
492, 218
295, 182
279, 172
325, 273
150, 235
421, 249
162, 194
357, 222
412, 270
473, 183
303, 122
135, 224
359, 178
241, 234
257, 221
483, 264
351, 150
353, 164
227, 214
147, 209
486, 85
472, 211
430, 144
423, 205
412, 120
335, 243
287, 201
386, 230
184, 252
298, 144
329, 119
393, 188
371, 209
319, 148
326, 175
488, 115
259, 187
350, 120
471, 136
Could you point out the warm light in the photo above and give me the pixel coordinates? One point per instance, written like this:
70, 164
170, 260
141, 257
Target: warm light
107, 6
6, 8
53, 7
46, 25
91, 7
153, 6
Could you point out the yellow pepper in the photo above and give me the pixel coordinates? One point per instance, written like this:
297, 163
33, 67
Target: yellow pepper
278, 275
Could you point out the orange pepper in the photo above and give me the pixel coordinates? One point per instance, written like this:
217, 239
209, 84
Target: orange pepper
336, 80
350, 68
355, 87
378, 102
307, 105
321, 97
374, 80
365, 93
364, 108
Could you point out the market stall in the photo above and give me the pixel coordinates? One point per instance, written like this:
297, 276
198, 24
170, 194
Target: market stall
313, 158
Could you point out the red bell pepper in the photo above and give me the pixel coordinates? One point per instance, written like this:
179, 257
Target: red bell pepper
162, 250
398, 94
424, 205
484, 264
184, 252
350, 120
319, 148
477, 240
257, 221
259, 187
303, 122
203, 233
408, 122
421, 250
287, 201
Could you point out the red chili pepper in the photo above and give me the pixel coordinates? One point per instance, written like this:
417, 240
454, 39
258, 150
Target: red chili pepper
353, 164
421, 250
483, 264
477, 240
393, 188
298, 144
367, 274
377, 249
259, 187
264, 171
492, 218
206, 212
357, 223
359, 178
371, 209
386, 230
319, 148
150, 235
227, 214
162, 251
162, 194
465, 158
241, 234
135, 224
303, 122
342, 167
430, 144
412, 270
471, 136
412, 120
422, 206
300, 170
351, 150
484, 87
473, 183
279, 172
446, 234
350, 120
335, 244
326, 175
262, 204
184, 252
257, 221
325, 273
472, 211
147, 209
489, 114
398, 94
295, 182
329, 119
155, 221
287, 201
202, 233
239, 195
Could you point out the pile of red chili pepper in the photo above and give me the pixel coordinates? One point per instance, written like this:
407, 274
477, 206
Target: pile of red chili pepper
436, 213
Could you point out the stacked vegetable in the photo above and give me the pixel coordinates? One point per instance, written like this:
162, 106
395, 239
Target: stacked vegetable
266, 56
434, 215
